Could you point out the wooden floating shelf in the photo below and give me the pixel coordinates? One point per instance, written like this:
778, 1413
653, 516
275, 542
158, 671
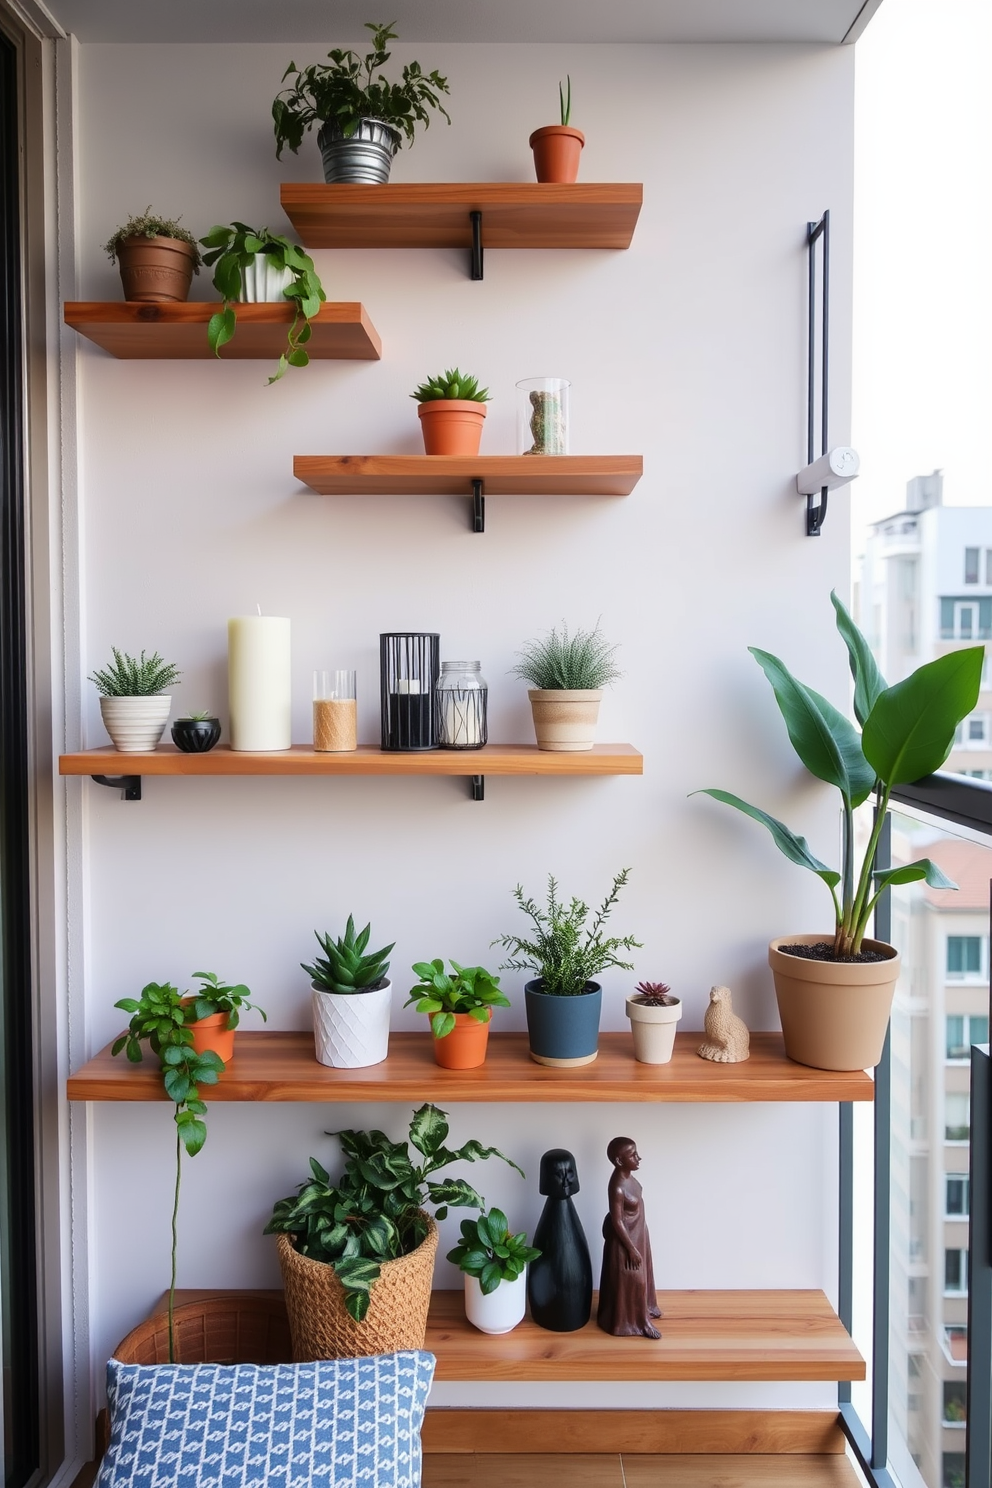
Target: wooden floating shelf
444, 475
596, 1469
274, 1066
436, 215
178, 332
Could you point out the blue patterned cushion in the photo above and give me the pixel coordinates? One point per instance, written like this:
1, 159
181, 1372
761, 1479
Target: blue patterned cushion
344, 1423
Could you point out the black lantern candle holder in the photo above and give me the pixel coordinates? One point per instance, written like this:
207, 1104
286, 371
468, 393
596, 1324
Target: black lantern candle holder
409, 665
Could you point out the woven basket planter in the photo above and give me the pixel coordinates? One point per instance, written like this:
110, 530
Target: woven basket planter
233, 1328
321, 1328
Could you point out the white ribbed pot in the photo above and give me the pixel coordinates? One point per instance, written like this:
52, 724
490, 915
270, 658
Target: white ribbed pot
136, 724
263, 281
565, 718
502, 1310
351, 1031
654, 1030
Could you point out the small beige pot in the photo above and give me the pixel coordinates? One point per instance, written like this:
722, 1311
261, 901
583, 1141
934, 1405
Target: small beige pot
654, 1030
834, 1013
565, 718
136, 724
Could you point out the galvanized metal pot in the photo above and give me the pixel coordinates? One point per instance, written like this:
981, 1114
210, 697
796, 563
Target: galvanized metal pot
364, 158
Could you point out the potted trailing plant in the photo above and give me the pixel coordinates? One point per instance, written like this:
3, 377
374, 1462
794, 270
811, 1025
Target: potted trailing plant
362, 115
495, 1265
460, 1004
157, 257
564, 1000
452, 411
134, 704
558, 147
567, 674
213, 1012
253, 265
835, 989
357, 1256
351, 996
196, 733
653, 1014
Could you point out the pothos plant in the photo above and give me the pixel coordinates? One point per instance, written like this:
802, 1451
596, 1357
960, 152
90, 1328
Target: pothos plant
375, 1211
465, 989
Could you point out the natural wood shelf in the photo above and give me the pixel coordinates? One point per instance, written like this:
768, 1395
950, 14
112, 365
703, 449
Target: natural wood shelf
444, 475
273, 1066
436, 215
178, 332
631, 1470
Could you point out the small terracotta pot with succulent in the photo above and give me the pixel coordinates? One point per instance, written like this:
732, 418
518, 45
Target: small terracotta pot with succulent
653, 1014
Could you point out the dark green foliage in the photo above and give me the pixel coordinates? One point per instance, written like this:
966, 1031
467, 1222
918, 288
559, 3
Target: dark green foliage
149, 224
565, 101
582, 660
451, 384
471, 990
214, 997
562, 952
129, 676
345, 967
489, 1252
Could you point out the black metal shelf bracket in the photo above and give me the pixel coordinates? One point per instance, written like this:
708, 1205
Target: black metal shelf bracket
817, 510
477, 787
128, 785
475, 259
478, 506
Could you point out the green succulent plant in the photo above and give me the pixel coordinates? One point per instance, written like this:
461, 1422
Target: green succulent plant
452, 384
149, 224
345, 967
129, 676
471, 989
583, 660
565, 100
487, 1250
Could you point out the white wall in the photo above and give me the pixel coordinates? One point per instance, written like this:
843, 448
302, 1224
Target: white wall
689, 349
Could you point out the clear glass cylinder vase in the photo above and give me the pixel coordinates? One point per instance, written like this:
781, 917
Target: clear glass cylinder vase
462, 696
542, 416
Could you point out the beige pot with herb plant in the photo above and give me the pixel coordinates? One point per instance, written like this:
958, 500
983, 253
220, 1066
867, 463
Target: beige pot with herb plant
157, 258
133, 702
568, 673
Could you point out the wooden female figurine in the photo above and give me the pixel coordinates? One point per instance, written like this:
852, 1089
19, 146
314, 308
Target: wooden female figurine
559, 1282
627, 1297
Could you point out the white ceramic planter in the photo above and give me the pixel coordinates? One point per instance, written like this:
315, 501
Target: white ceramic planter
262, 281
654, 1030
502, 1310
136, 724
565, 718
351, 1031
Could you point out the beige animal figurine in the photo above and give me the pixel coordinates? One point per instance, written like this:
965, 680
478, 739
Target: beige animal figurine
727, 1039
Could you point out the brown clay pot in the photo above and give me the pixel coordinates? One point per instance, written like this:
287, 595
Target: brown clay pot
155, 268
834, 1013
213, 1034
465, 1046
452, 426
557, 149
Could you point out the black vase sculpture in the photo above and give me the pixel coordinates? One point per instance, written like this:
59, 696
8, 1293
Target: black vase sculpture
559, 1282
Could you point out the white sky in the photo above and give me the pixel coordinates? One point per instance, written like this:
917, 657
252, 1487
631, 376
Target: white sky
923, 254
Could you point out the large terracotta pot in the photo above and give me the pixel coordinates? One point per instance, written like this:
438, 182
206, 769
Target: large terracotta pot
465, 1046
557, 150
452, 426
565, 718
155, 269
834, 1013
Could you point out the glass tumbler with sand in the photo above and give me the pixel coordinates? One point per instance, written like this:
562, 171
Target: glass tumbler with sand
335, 712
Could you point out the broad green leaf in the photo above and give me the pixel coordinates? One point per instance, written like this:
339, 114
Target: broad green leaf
442, 1023
827, 743
498, 1226
868, 680
220, 329
428, 1129
454, 1192
924, 868
193, 1135
490, 1278
796, 849
910, 730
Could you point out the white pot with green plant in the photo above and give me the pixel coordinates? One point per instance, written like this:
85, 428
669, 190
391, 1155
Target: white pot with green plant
835, 989
351, 1000
133, 702
452, 411
568, 674
252, 265
362, 116
494, 1263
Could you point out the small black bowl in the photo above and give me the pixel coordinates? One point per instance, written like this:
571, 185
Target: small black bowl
195, 735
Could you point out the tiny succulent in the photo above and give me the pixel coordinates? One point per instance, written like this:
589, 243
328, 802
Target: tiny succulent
565, 100
563, 954
489, 1252
345, 967
205, 716
130, 676
471, 990
452, 384
654, 994
149, 224
582, 660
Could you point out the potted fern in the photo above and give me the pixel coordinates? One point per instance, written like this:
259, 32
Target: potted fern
452, 411
567, 674
558, 147
134, 704
351, 1000
494, 1262
157, 257
653, 1014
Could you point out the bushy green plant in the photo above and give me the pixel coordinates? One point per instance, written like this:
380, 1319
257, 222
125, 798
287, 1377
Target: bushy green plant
471, 990
907, 731
149, 224
232, 250
565, 100
489, 1252
215, 997
344, 966
565, 955
375, 1211
348, 88
130, 676
582, 660
451, 384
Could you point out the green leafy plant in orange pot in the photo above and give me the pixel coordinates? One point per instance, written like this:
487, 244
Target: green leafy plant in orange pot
459, 1004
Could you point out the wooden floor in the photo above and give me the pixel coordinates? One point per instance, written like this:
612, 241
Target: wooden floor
670, 1470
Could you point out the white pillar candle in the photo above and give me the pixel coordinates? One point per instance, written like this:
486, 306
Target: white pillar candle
258, 682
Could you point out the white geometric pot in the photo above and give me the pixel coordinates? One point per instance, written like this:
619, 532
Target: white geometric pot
654, 1030
502, 1310
263, 282
136, 724
351, 1031
565, 718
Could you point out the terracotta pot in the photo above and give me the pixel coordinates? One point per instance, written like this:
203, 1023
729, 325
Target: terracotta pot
565, 718
452, 426
557, 149
351, 1030
213, 1034
465, 1046
834, 1013
654, 1030
155, 268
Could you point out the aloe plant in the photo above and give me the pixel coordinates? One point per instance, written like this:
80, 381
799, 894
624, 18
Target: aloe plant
451, 384
907, 731
345, 967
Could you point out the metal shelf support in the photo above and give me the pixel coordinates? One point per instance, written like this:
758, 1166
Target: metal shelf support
128, 785
817, 510
475, 260
478, 506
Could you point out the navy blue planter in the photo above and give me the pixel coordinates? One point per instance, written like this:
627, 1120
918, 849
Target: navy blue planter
563, 1031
